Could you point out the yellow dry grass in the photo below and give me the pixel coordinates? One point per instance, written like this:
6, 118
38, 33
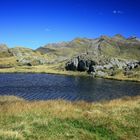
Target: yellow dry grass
61, 120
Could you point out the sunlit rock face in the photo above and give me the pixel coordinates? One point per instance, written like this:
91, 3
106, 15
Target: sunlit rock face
4, 51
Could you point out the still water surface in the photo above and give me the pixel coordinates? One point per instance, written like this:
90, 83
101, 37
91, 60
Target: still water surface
46, 87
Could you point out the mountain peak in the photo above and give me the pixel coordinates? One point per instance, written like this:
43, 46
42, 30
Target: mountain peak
119, 36
3, 47
104, 38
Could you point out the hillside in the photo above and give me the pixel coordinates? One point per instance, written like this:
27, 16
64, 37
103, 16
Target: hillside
4, 51
116, 46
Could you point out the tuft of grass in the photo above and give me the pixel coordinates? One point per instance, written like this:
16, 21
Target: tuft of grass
10, 135
62, 120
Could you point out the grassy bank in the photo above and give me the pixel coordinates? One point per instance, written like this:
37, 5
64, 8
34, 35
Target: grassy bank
56, 69
61, 120
50, 69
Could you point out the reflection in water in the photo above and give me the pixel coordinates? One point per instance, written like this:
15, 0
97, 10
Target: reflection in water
45, 87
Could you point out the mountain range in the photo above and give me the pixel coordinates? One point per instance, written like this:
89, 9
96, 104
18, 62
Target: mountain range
95, 56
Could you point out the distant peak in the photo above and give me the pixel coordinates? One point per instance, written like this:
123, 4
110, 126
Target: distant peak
3, 47
78, 38
104, 37
119, 36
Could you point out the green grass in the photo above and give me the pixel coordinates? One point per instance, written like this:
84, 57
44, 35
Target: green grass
61, 120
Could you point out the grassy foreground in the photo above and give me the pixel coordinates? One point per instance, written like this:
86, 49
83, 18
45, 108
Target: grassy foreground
63, 120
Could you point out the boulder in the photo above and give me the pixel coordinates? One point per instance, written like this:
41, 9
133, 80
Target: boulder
72, 64
132, 65
111, 72
91, 69
119, 63
108, 66
79, 63
98, 67
82, 66
90, 63
113, 61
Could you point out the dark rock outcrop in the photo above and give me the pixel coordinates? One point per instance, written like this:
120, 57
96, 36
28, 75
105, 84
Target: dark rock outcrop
80, 64
108, 67
72, 64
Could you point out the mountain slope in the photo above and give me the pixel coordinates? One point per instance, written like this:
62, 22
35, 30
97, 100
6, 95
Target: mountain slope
116, 46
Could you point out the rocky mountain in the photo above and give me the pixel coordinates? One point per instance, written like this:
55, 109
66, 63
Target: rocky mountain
100, 56
116, 46
26, 56
104, 46
21, 56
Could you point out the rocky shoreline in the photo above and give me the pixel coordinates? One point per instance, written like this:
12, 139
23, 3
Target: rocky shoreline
102, 69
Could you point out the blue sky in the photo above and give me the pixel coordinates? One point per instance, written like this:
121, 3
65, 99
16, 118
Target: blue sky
33, 23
